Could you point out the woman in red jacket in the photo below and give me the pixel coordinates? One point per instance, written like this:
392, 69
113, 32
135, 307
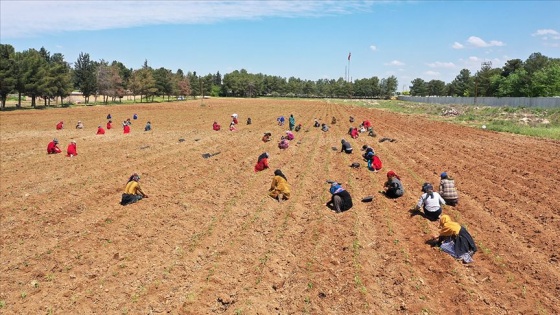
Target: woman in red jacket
109, 124
71, 150
262, 162
53, 148
126, 127
100, 130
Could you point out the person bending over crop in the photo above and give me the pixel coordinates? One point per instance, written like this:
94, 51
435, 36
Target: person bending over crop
280, 189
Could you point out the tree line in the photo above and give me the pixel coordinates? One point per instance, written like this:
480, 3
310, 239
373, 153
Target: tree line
38, 74
538, 76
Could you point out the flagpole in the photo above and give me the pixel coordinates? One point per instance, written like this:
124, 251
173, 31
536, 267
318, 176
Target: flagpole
349, 56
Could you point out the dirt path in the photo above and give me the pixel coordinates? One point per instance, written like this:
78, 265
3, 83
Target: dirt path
209, 240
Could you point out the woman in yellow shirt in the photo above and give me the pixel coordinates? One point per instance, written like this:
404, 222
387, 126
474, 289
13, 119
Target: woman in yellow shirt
280, 189
132, 191
455, 240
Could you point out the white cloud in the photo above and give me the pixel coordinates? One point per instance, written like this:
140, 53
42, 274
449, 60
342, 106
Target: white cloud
395, 63
438, 64
545, 32
373, 48
457, 45
97, 15
479, 42
432, 73
550, 37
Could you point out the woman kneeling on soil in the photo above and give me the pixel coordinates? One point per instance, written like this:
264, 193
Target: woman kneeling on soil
341, 199
132, 191
280, 188
447, 190
262, 162
431, 202
455, 240
393, 186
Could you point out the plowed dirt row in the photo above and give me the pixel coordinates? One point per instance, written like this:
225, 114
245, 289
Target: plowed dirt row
209, 240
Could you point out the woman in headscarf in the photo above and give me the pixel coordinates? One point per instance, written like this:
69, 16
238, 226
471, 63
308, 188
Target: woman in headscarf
215, 126
393, 186
292, 122
431, 202
109, 124
455, 240
100, 130
447, 190
340, 199
280, 189
132, 192
266, 137
262, 162
52, 147
346, 147
60, 125
289, 135
126, 127
284, 143
72, 149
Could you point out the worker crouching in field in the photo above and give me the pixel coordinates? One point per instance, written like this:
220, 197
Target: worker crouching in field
447, 190
393, 186
262, 162
284, 143
216, 126
132, 191
60, 125
126, 127
431, 202
72, 149
455, 240
52, 147
346, 147
280, 189
340, 199
100, 130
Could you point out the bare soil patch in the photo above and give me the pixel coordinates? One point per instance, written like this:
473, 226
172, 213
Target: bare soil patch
209, 240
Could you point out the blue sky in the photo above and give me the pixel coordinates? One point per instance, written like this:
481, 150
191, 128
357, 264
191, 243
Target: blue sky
305, 39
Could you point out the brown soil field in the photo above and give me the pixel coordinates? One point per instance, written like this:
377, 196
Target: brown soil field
209, 239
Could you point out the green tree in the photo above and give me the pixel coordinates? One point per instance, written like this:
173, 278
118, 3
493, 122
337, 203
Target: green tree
61, 72
163, 82
142, 83
85, 78
389, 87
546, 82
436, 88
8, 72
463, 84
418, 87
33, 71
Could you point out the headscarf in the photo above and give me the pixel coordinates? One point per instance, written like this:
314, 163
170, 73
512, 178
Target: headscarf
262, 156
392, 174
55, 140
448, 227
279, 173
428, 189
134, 177
443, 175
336, 188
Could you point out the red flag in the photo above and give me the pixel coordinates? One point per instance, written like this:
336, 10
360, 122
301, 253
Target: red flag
349, 55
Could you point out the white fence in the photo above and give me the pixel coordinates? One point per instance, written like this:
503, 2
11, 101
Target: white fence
544, 102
